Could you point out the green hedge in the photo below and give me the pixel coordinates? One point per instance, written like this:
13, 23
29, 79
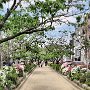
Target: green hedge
1, 87
11, 79
55, 66
28, 67
83, 78
88, 78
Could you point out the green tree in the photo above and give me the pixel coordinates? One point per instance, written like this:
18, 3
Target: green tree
35, 16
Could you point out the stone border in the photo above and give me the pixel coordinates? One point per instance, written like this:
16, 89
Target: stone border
84, 86
25, 79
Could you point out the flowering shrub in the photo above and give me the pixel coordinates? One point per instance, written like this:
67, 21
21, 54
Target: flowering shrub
2, 77
8, 76
8, 69
66, 70
20, 67
12, 76
75, 70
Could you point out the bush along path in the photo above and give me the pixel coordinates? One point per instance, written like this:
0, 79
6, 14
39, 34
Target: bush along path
79, 76
12, 76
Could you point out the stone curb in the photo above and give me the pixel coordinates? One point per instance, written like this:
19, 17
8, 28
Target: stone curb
25, 79
84, 86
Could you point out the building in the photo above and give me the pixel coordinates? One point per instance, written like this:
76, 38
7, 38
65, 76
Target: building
81, 40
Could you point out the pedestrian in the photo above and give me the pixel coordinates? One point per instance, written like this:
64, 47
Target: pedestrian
41, 63
46, 63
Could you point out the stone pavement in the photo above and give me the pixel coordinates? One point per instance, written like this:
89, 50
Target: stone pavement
44, 78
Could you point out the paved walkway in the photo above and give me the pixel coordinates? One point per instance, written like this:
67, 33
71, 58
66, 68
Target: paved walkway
47, 79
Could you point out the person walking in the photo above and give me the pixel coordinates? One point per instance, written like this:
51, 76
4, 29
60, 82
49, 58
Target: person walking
41, 63
46, 63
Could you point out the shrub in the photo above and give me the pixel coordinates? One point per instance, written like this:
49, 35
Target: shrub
9, 84
69, 75
20, 73
11, 79
88, 75
1, 87
82, 79
12, 76
50, 64
88, 81
54, 66
28, 67
57, 67
1, 84
76, 75
88, 78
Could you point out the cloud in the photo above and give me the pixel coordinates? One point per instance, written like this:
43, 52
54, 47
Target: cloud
10, 3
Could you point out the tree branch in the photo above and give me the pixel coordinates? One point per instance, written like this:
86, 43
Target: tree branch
13, 4
28, 31
8, 13
17, 4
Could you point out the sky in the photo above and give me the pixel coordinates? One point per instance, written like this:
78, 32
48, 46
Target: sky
55, 33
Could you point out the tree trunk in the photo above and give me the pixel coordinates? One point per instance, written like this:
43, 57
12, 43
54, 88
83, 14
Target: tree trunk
0, 52
0, 60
